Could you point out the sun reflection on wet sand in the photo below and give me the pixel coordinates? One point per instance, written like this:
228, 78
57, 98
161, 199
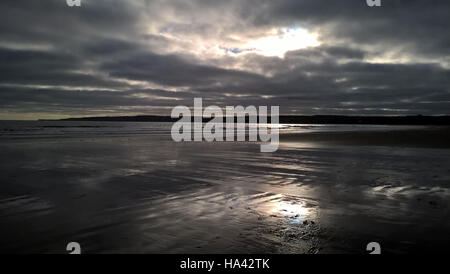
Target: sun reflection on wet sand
289, 209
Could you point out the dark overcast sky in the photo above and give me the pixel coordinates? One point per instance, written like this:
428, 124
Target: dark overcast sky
126, 57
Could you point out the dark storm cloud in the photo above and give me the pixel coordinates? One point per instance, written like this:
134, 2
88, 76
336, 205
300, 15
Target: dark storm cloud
176, 71
113, 56
47, 68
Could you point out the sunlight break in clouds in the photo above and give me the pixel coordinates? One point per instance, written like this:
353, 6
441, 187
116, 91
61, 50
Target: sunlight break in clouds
279, 42
276, 42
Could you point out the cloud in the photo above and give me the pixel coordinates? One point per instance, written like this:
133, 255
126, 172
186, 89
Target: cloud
129, 57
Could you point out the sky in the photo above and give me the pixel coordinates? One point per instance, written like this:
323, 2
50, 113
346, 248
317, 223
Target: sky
133, 57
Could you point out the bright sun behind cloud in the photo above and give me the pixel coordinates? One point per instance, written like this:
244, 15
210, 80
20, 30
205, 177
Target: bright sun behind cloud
278, 42
283, 41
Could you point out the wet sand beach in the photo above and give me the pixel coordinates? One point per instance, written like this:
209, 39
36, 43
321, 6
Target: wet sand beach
319, 193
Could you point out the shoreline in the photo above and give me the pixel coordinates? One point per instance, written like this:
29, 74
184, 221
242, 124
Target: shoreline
428, 137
